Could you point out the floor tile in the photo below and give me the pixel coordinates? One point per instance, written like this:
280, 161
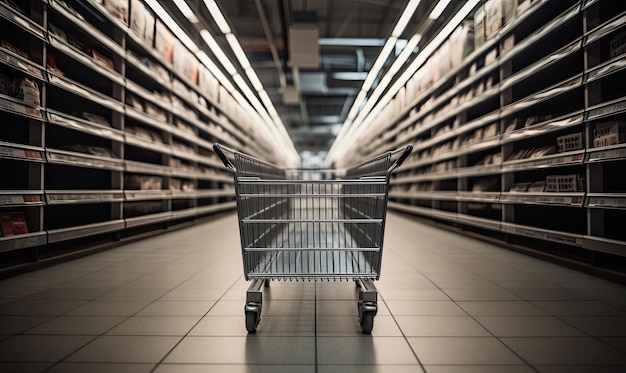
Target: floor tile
365, 350
253, 349
155, 325
424, 308
19, 324
502, 308
564, 351
101, 368
19, 367
40, 307
599, 326
126, 349
528, 326
441, 326
177, 308
463, 351
108, 308
579, 308
38, 348
77, 325
234, 368
377, 368
384, 326
479, 369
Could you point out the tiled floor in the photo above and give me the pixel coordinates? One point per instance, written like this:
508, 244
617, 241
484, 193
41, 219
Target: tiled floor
174, 303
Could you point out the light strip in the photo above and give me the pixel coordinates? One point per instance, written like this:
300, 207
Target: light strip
173, 26
186, 10
351, 42
239, 53
438, 9
217, 15
422, 57
405, 18
218, 52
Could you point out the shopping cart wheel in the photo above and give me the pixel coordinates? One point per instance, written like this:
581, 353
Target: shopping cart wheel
252, 320
367, 321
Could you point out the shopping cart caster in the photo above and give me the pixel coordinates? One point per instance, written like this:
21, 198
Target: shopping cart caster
368, 305
254, 302
253, 317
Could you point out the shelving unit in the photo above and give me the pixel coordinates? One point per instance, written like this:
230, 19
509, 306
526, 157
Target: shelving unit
119, 134
507, 140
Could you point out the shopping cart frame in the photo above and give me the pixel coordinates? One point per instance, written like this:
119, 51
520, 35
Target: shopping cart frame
295, 226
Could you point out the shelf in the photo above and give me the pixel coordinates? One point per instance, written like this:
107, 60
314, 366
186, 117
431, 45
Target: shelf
85, 92
56, 197
606, 69
17, 107
21, 152
21, 64
544, 128
607, 153
544, 234
84, 125
64, 234
606, 109
549, 198
23, 241
83, 160
605, 29
148, 219
554, 160
21, 198
85, 60
606, 200
146, 168
145, 195
87, 28
21, 21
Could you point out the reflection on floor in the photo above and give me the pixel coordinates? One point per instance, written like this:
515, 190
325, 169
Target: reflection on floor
447, 303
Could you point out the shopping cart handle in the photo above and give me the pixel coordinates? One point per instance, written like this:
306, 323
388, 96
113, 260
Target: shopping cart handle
220, 153
406, 151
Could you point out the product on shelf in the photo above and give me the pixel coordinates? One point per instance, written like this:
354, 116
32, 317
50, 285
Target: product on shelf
537, 187
101, 59
479, 26
134, 101
164, 42
51, 64
156, 112
118, 8
88, 149
488, 184
70, 9
570, 142
13, 223
138, 18
15, 6
609, 133
140, 182
565, 183
23, 89
10, 47
520, 187
145, 133
95, 118
618, 45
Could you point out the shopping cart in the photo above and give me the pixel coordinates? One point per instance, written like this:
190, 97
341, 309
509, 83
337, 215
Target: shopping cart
311, 225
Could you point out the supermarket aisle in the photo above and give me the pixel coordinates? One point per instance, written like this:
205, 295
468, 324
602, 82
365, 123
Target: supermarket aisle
175, 303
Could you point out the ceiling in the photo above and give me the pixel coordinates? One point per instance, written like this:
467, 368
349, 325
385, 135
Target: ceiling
313, 101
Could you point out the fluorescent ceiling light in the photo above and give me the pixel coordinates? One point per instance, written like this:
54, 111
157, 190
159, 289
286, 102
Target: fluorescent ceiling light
186, 10
172, 25
239, 53
254, 79
218, 52
438, 9
349, 75
380, 61
351, 42
217, 15
405, 18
